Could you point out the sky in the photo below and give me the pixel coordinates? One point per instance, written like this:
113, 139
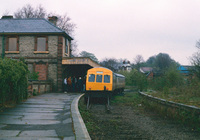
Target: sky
127, 28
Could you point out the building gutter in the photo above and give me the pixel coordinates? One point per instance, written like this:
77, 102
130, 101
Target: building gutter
3, 47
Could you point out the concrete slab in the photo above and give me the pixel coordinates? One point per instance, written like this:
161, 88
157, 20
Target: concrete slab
45, 102
38, 133
69, 138
11, 133
45, 117
1, 126
27, 113
40, 106
69, 120
39, 116
28, 138
33, 122
39, 110
3, 117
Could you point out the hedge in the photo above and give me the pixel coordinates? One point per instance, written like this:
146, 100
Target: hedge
13, 81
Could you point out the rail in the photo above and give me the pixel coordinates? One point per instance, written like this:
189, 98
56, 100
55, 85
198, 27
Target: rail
191, 110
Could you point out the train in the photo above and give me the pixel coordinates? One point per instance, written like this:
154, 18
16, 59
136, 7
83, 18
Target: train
103, 82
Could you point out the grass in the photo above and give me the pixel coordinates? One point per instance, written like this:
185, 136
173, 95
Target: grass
129, 99
94, 126
184, 96
135, 100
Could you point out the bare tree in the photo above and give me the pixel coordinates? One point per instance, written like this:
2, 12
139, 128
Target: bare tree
110, 63
195, 60
138, 60
198, 44
64, 21
29, 12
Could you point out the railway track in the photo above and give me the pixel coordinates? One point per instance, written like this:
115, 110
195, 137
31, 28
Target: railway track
98, 101
133, 122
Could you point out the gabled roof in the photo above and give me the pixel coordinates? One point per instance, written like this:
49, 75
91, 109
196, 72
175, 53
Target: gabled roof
146, 69
30, 26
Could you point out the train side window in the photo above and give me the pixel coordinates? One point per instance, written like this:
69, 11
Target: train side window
106, 78
99, 78
91, 78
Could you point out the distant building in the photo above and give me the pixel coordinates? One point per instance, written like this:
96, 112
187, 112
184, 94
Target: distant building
126, 66
148, 71
186, 70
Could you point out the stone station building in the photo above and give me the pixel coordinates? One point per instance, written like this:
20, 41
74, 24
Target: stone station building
45, 48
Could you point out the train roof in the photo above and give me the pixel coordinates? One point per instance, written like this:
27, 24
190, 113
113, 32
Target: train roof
119, 75
103, 68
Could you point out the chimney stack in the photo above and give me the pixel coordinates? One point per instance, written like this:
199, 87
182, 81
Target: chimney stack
53, 19
7, 17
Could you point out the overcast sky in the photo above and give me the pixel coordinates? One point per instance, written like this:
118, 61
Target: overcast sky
126, 28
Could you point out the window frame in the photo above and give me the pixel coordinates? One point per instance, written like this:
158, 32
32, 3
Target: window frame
104, 78
8, 45
97, 78
36, 44
93, 80
66, 46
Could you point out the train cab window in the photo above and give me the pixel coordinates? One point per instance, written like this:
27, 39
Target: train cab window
106, 78
99, 78
91, 78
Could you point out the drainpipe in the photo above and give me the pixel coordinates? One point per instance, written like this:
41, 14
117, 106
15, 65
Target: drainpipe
3, 47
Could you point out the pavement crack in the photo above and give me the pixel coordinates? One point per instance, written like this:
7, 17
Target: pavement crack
19, 133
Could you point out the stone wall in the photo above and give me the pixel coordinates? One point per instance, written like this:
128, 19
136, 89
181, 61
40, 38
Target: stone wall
34, 60
52, 75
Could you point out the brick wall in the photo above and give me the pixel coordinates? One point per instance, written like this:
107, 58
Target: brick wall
42, 69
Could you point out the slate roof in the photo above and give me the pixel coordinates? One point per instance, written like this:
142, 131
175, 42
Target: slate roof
30, 26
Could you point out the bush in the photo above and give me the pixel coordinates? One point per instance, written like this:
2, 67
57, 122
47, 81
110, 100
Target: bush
171, 78
13, 81
135, 78
33, 75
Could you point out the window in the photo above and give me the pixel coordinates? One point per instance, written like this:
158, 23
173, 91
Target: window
41, 44
91, 78
106, 78
66, 46
12, 44
99, 78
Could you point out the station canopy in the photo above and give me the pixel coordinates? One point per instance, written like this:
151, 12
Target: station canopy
77, 66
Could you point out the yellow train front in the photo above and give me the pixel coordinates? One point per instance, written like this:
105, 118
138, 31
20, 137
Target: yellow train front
102, 82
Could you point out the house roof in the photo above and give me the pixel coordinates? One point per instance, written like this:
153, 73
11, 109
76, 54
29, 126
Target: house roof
145, 69
30, 26
185, 69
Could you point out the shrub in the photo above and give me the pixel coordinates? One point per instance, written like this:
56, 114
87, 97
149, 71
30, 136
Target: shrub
135, 78
33, 75
13, 80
